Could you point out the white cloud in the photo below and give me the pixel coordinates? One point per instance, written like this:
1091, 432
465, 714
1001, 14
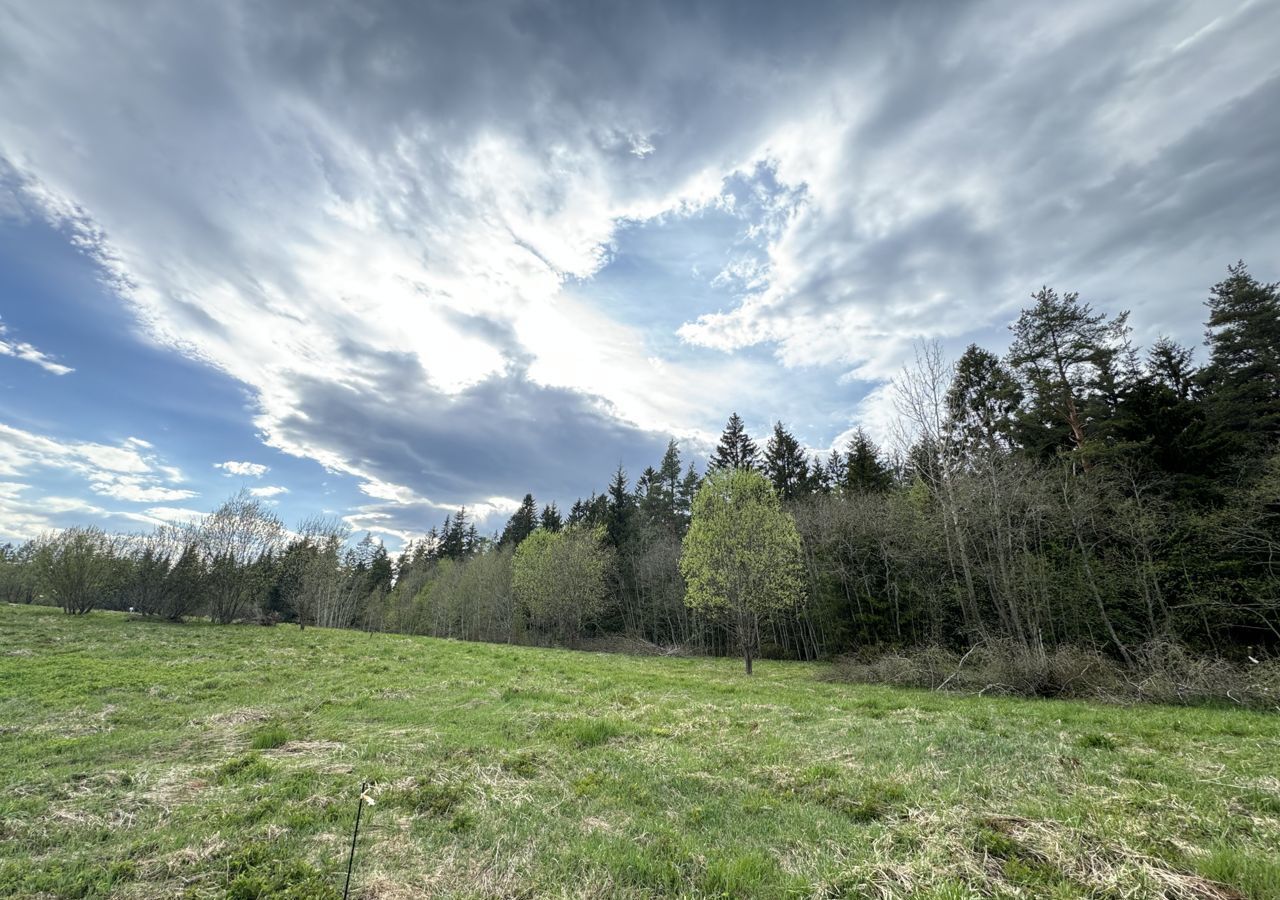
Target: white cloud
273, 490
24, 351
160, 515
136, 490
243, 469
128, 472
421, 222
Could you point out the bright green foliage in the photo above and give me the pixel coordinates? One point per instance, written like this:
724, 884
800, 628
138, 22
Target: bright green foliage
741, 555
560, 579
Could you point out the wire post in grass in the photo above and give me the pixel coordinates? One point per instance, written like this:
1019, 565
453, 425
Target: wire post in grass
355, 833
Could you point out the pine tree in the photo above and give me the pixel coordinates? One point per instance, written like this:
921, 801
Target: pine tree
785, 464
736, 450
551, 520
521, 524
1071, 361
864, 470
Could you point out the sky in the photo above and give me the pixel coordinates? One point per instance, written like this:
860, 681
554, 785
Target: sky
378, 260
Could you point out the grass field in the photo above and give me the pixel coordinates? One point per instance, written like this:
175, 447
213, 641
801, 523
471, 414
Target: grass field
143, 759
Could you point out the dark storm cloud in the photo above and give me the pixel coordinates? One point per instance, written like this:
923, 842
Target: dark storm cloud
502, 437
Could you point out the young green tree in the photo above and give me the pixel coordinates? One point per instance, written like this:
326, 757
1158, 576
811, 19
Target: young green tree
741, 558
736, 450
560, 580
234, 538
785, 464
76, 568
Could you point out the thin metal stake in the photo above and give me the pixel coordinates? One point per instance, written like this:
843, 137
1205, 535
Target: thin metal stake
355, 833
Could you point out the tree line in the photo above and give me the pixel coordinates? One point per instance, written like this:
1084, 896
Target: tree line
1074, 490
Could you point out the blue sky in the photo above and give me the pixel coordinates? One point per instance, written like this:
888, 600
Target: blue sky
390, 258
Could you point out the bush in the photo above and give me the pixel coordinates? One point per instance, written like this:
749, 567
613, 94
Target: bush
1162, 672
76, 568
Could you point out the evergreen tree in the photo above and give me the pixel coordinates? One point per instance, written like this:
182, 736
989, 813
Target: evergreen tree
620, 507
688, 489
864, 469
1069, 359
551, 520
833, 472
785, 464
982, 404
381, 572
818, 476
521, 524
456, 538
736, 450
1242, 377
651, 500
669, 474
1161, 423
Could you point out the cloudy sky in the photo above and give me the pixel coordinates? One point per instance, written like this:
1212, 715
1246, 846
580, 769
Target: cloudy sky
385, 258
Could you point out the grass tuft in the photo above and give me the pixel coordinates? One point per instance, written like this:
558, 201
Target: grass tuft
270, 737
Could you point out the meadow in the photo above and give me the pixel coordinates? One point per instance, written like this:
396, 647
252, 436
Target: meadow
144, 759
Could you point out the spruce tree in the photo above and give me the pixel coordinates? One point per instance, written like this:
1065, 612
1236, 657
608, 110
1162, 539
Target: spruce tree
669, 475
864, 469
688, 489
982, 404
833, 471
1242, 378
785, 464
521, 524
620, 507
551, 520
736, 450
454, 542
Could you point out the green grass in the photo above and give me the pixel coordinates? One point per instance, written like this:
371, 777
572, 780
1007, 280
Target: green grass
145, 759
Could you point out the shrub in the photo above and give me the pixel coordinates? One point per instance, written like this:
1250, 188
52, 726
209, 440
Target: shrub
1161, 672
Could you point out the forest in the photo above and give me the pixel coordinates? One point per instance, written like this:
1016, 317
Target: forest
1076, 492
